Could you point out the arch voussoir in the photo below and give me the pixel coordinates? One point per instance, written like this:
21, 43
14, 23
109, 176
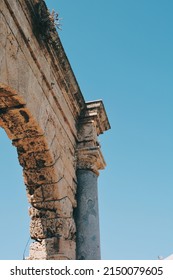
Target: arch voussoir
19, 123
52, 226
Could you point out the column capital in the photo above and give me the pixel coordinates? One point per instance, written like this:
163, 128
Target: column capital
90, 159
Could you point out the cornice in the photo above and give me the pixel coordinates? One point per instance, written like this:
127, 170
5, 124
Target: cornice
95, 111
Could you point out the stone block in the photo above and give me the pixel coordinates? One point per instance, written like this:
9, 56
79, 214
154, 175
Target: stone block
42, 213
37, 251
28, 144
38, 229
10, 101
59, 191
66, 248
36, 159
48, 205
35, 194
19, 124
64, 207
66, 228
40, 176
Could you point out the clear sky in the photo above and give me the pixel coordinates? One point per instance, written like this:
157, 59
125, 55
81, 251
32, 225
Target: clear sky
120, 52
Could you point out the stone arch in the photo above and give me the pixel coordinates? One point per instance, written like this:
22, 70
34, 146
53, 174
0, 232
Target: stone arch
52, 226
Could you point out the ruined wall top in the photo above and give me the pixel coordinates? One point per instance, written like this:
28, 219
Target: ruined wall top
44, 25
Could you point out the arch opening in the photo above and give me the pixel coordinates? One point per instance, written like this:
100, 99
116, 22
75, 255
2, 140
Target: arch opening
13, 205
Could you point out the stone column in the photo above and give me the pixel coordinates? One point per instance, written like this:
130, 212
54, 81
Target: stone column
89, 161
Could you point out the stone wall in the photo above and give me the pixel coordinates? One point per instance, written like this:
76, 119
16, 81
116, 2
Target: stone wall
45, 115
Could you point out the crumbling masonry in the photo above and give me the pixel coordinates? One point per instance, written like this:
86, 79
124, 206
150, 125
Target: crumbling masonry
54, 130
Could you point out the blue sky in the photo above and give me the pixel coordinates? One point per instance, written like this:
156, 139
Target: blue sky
121, 52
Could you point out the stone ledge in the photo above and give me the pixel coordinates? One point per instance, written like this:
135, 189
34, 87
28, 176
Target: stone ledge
96, 111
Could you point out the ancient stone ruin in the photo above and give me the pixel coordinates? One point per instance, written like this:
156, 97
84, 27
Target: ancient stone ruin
54, 130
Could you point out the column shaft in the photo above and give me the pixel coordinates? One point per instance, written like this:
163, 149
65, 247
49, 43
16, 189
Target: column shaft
87, 216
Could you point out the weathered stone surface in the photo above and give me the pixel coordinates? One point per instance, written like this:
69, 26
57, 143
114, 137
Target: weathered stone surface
38, 251
63, 207
45, 225
35, 194
87, 132
96, 111
19, 124
58, 191
58, 195
36, 160
53, 248
40, 176
45, 115
66, 248
38, 229
5, 90
42, 213
28, 144
90, 158
10, 101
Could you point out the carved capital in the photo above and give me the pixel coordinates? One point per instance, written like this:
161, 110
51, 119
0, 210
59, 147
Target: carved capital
91, 159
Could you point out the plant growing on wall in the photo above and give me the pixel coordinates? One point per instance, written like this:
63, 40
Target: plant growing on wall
47, 22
